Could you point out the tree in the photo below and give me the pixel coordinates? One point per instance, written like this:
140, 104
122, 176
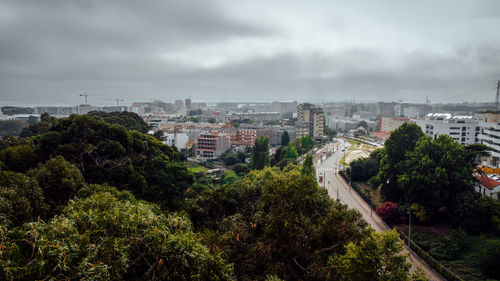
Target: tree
379, 256
159, 135
285, 138
291, 153
108, 235
229, 177
282, 224
307, 142
127, 119
241, 157
59, 180
438, 176
241, 169
363, 169
435, 174
388, 211
229, 159
21, 199
362, 124
46, 121
308, 166
127, 159
260, 153
400, 142
19, 158
489, 259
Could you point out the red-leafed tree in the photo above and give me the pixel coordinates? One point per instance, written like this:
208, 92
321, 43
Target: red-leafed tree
388, 211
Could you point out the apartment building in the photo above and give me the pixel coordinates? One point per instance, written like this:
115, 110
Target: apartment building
310, 121
212, 145
490, 136
462, 128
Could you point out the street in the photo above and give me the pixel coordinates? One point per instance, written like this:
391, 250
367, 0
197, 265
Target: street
338, 188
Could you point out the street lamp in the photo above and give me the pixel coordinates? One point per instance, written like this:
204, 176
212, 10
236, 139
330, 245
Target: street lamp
409, 229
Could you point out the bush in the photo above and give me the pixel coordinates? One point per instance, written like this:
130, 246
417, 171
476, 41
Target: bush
490, 259
388, 211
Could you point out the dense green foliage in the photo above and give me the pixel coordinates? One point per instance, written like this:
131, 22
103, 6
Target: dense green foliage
473, 257
233, 158
281, 224
41, 127
61, 219
260, 154
111, 154
307, 143
108, 235
392, 164
365, 168
433, 177
308, 166
129, 120
378, 257
285, 138
21, 199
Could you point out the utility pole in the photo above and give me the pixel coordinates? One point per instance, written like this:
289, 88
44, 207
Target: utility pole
409, 230
498, 96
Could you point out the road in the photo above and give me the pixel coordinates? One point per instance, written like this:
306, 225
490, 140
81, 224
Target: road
338, 188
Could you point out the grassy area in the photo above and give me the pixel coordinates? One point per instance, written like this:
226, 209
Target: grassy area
197, 169
353, 142
342, 160
458, 251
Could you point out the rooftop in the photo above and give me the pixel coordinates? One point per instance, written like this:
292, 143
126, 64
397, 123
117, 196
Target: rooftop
488, 182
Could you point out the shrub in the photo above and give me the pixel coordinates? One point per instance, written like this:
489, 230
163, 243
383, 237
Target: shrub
388, 211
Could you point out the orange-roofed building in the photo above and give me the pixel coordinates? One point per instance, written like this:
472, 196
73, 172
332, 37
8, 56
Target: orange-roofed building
488, 185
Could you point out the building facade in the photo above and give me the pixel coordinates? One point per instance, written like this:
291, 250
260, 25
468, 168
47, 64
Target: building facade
212, 145
462, 128
389, 124
310, 121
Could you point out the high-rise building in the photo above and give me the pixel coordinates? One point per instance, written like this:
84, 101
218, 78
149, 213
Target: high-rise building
187, 103
386, 109
179, 104
286, 109
310, 121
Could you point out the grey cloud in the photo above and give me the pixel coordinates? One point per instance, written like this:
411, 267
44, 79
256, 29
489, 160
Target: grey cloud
52, 50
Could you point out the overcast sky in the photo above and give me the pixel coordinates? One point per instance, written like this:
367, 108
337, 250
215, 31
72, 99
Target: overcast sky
53, 50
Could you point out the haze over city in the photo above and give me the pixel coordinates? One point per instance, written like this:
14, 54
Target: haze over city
52, 51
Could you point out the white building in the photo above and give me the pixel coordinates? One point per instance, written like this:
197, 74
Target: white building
490, 136
462, 128
178, 140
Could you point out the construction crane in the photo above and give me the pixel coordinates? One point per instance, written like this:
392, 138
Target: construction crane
427, 102
86, 103
118, 102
